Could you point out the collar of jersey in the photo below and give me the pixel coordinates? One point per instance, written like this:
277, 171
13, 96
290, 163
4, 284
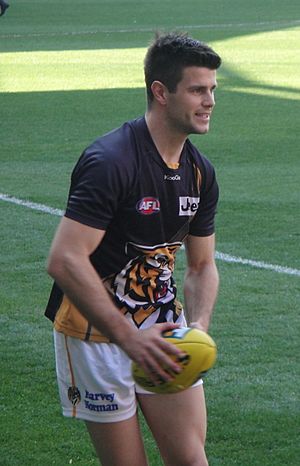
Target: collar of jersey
152, 151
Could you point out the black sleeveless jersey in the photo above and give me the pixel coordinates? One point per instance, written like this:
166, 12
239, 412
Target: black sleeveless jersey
122, 185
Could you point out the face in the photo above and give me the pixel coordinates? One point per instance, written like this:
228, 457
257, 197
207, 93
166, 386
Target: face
189, 109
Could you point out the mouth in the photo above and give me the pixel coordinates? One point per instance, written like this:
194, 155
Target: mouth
203, 116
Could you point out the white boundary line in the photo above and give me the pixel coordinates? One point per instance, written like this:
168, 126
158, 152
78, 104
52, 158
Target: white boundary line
258, 264
219, 255
31, 205
183, 27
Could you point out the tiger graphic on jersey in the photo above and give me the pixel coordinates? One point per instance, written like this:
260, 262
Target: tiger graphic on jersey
145, 283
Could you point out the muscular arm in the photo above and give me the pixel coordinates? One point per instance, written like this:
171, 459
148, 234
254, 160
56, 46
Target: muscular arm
201, 280
69, 264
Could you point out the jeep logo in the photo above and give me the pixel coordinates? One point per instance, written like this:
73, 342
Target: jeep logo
188, 205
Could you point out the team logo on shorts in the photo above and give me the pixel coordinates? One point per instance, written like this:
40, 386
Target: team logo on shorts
74, 395
148, 206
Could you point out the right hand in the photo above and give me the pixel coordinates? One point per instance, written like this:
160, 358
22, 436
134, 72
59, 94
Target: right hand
152, 352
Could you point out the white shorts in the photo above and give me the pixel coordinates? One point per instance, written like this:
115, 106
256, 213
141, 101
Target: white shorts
94, 380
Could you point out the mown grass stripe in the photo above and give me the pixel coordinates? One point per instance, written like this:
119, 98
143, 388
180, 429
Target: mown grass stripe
134, 30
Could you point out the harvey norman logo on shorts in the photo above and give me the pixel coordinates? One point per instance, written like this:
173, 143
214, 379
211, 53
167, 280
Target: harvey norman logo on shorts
188, 205
101, 401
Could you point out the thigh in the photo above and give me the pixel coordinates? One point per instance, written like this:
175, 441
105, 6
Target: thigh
118, 443
178, 424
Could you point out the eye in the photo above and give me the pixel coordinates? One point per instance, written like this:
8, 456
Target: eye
197, 90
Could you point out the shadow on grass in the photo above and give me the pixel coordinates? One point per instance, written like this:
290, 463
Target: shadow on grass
77, 25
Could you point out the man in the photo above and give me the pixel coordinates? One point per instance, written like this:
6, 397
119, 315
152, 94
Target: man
3, 7
136, 195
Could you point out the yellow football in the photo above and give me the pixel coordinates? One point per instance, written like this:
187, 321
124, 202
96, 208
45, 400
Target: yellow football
200, 355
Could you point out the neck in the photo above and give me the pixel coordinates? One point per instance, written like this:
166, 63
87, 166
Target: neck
168, 143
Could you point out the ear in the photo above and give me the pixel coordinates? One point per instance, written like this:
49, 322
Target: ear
159, 91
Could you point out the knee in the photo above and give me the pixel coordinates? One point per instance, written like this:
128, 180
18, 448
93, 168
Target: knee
200, 460
196, 461
190, 458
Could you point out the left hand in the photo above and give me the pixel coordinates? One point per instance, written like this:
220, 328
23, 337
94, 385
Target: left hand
197, 325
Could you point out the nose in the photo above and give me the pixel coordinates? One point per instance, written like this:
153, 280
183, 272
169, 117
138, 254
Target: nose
209, 100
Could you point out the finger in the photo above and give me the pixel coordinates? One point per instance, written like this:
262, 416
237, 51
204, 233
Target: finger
156, 373
159, 375
157, 364
163, 343
165, 326
166, 362
198, 326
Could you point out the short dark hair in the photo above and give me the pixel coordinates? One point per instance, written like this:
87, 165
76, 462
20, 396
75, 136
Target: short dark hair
170, 53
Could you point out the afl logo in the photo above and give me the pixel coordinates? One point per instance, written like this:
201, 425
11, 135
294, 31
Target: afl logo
148, 206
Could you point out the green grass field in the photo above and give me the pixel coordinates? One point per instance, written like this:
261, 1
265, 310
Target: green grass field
70, 71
